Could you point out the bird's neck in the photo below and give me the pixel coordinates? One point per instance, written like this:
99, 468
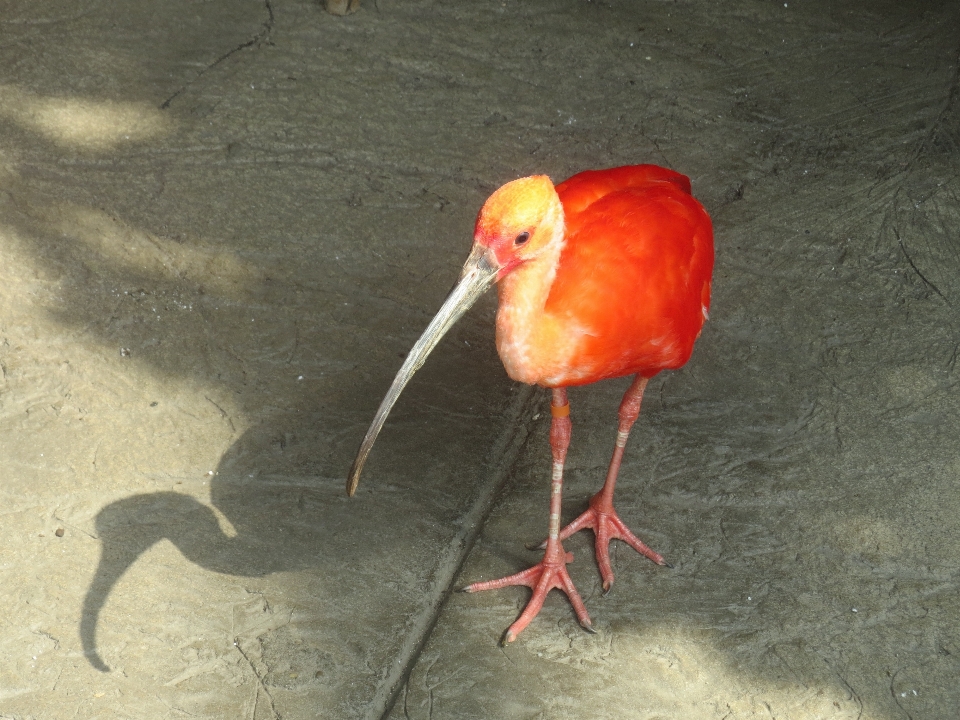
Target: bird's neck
523, 295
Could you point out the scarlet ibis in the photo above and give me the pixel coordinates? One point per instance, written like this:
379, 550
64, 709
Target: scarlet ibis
605, 275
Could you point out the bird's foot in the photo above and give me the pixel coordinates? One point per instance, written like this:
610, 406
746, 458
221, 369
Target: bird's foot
542, 578
607, 525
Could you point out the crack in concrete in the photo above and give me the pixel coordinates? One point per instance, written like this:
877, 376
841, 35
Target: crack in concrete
915, 268
501, 458
261, 685
951, 105
262, 36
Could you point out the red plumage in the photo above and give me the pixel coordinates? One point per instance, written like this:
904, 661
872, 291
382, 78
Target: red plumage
606, 274
634, 271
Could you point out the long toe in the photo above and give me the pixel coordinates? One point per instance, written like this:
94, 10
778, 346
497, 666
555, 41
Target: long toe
527, 578
620, 531
607, 526
542, 577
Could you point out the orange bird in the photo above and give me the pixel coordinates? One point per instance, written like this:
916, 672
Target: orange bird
605, 275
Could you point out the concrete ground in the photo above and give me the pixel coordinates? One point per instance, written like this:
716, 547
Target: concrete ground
222, 225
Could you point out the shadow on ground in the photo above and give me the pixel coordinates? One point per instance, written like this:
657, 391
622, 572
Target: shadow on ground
219, 242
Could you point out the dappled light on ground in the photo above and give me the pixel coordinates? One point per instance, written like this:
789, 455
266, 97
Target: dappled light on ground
81, 124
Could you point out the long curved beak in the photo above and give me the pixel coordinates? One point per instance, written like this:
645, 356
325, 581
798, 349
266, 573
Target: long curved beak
479, 273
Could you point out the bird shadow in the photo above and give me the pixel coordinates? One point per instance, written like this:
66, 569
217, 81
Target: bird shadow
255, 525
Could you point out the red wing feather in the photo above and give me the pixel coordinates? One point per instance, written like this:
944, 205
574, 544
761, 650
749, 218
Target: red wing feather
634, 275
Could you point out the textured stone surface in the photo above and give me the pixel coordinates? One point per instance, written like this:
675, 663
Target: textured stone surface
223, 224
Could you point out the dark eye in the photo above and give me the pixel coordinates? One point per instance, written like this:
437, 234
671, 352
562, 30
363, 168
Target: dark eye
522, 238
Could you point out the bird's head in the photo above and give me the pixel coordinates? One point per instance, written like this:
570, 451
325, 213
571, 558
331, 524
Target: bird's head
516, 224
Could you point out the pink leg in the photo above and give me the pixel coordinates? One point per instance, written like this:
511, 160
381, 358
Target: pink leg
600, 516
551, 572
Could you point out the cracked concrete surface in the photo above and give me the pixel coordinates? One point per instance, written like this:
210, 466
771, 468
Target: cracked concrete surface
223, 224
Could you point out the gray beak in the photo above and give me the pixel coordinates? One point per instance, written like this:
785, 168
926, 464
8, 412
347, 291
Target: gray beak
479, 273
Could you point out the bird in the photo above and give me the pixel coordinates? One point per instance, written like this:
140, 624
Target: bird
605, 275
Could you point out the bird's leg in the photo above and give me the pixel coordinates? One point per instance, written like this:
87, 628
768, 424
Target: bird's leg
551, 572
601, 516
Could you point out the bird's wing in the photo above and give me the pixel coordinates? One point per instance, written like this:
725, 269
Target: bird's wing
633, 277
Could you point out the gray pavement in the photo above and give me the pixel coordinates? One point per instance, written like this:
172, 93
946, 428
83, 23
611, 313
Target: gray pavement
223, 224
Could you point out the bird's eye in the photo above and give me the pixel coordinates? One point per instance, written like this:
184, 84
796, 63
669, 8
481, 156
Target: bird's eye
522, 238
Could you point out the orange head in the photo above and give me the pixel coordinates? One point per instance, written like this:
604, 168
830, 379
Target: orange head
519, 221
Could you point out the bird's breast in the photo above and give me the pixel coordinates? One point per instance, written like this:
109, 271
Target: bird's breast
542, 353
